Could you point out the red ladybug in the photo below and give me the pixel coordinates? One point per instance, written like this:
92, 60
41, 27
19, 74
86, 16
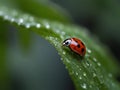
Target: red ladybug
75, 45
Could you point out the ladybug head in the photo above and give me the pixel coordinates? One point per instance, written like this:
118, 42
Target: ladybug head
67, 42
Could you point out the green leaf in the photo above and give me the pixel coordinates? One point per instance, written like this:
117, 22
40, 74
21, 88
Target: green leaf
96, 70
4, 78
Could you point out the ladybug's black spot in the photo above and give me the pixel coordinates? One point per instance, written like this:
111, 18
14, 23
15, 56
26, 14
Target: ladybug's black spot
78, 45
82, 49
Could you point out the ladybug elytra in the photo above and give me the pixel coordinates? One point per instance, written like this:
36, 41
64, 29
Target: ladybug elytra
76, 45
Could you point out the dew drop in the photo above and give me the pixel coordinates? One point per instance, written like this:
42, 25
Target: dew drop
20, 21
51, 38
84, 74
84, 86
98, 64
38, 25
47, 25
76, 74
87, 63
64, 52
28, 25
95, 59
67, 61
89, 51
12, 19
94, 75
79, 68
80, 77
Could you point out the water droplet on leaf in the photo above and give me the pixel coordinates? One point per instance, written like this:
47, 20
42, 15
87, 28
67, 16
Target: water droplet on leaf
76, 73
28, 25
84, 86
64, 52
20, 20
89, 51
38, 25
98, 64
80, 77
84, 74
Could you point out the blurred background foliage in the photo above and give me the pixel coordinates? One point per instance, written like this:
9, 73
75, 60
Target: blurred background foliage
23, 54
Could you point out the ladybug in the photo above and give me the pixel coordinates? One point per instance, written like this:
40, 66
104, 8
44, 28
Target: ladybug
76, 45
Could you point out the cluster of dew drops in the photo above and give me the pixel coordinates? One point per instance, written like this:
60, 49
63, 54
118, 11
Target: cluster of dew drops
84, 74
29, 21
21, 19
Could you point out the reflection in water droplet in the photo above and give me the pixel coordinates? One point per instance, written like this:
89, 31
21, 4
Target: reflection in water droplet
84, 86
